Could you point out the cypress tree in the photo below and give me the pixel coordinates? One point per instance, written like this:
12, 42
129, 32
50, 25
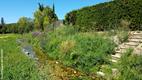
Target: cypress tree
53, 8
2, 28
2, 21
41, 7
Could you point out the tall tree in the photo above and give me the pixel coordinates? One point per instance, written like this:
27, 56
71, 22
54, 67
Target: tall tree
41, 7
2, 26
25, 24
2, 21
44, 16
53, 8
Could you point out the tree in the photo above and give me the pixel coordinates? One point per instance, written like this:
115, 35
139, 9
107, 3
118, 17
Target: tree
41, 7
2, 21
44, 16
107, 15
53, 8
25, 25
2, 26
70, 18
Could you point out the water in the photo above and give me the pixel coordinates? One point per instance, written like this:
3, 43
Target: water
27, 50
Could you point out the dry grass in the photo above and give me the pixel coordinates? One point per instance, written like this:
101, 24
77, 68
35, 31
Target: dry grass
67, 45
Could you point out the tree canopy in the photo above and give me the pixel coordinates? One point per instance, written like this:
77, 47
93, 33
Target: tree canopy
25, 24
44, 16
108, 15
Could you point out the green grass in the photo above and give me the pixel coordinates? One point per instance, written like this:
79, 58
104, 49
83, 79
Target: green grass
130, 66
83, 51
17, 66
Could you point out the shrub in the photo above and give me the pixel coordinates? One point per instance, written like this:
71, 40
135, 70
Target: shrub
122, 35
66, 46
17, 66
81, 51
130, 66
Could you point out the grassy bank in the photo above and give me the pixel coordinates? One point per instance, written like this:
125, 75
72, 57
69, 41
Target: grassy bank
16, 65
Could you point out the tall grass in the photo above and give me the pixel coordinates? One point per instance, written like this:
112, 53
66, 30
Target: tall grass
83, 52
17, 66
130, 66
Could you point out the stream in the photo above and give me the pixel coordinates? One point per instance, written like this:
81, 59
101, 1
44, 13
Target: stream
52, 69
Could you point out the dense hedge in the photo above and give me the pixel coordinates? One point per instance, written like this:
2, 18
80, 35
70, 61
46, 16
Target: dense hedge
9, 28
15, 28
108, 15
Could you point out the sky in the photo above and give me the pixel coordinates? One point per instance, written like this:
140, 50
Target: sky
12, 10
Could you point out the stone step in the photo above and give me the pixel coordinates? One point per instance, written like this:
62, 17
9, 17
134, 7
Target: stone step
116, 49
126, 47
135, 40
115, 72
116, 56
115, 61
137, 33
120, 51
119, 47
100, 73
131, 43
135, 37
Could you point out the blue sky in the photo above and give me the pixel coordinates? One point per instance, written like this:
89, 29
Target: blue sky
12, 10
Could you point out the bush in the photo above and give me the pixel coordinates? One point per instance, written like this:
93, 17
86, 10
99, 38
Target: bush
17, 66
81, 51
66, 46
130, 66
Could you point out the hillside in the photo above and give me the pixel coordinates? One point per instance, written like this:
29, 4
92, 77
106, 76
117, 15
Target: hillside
109, 15
98, 42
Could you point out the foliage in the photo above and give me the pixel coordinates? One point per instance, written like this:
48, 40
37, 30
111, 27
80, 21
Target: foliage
66, 46
2, 26
123, 36
70, 18
11, 28
108, 15
83, 52
130, 66
43, 17
2, 21
25, 25
17, 66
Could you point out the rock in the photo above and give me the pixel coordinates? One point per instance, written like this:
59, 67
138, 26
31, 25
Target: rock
100, 73
115, 72
116, 55
116, 40
115, 61
74, 72
138, 50
29, 51
57, 62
